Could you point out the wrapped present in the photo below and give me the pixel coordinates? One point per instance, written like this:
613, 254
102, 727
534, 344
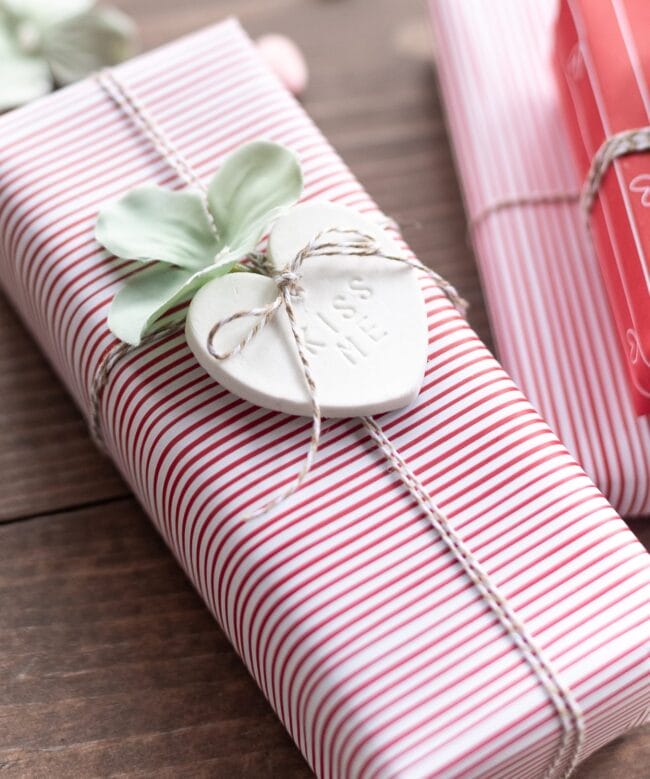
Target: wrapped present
602, 59
480, 610
546, 296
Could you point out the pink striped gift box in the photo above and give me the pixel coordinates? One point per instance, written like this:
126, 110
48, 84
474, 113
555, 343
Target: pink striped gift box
551, 319
511, 642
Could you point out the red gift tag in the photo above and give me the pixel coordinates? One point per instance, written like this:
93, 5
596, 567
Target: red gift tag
602, 59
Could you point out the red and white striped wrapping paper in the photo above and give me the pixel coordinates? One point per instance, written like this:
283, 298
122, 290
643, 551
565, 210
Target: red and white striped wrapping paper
549, 311
368, 639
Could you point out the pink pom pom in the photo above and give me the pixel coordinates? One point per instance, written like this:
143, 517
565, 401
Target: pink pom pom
286, 60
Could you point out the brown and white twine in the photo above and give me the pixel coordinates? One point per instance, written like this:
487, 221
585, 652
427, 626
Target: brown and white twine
616, 146
329, 243
133, 107
288, 282
566, 705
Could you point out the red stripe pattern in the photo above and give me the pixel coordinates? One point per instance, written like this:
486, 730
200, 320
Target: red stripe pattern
365, 634
547, 301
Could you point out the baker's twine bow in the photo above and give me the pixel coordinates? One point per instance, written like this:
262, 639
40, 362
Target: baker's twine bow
330, 242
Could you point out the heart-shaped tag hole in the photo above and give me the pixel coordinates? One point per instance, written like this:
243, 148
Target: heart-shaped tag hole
362, 318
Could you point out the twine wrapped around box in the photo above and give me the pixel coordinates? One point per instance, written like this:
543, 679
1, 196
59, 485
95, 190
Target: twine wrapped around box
621, 144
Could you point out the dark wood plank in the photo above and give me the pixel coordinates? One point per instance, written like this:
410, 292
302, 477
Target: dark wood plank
47, 459
110, 665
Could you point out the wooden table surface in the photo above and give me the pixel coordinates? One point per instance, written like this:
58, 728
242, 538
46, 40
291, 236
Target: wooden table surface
109, 663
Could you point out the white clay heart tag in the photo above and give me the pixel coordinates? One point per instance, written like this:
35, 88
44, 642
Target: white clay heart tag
362, 318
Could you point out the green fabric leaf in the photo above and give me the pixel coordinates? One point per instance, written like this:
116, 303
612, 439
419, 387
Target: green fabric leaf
87, 42
253, 185
150, 294
48, 41
22, 79
151, 223
45, 12
8, 46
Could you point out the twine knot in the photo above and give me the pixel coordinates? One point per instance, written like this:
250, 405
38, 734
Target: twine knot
328, 243
288, 281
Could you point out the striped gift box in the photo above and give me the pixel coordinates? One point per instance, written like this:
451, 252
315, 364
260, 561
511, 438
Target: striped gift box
550, 315
372, 635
